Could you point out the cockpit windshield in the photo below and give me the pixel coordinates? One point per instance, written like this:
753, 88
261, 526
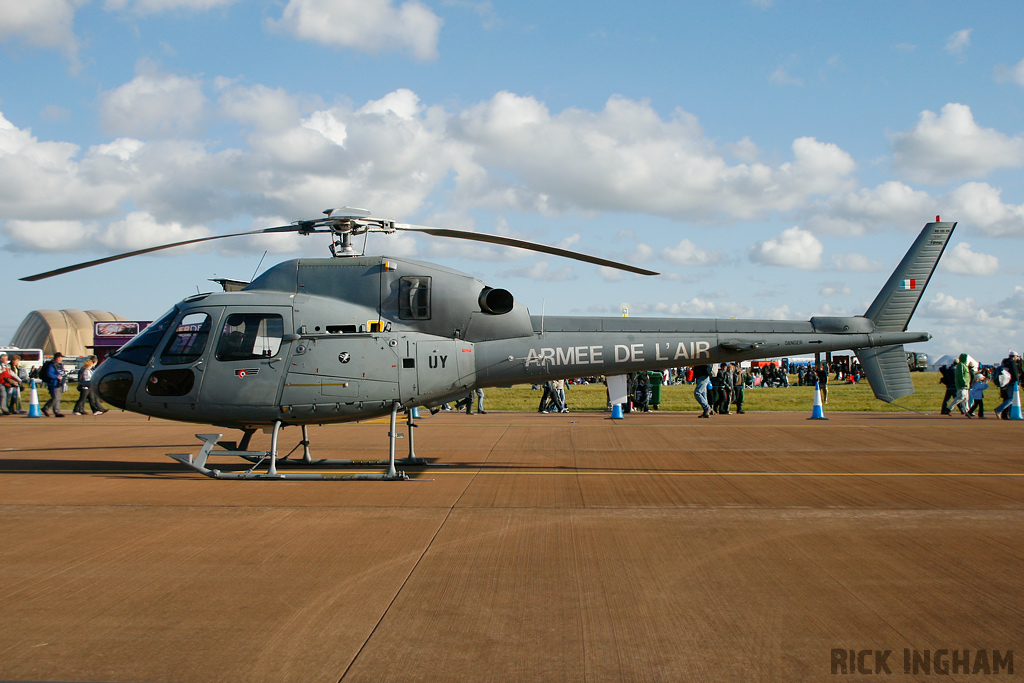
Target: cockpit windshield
140, 349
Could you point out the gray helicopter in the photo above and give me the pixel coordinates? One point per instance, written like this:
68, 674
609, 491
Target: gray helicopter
316, 341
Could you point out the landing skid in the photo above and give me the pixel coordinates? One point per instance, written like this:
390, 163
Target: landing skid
198, 462
307, 460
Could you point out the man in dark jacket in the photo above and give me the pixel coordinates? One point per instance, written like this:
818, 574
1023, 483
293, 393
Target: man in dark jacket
946, 379
52, 374
1006, 391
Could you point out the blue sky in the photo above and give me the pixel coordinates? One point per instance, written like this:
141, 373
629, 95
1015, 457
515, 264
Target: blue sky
773, 159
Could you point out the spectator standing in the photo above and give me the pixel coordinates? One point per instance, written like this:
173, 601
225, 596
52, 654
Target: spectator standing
977, 394
1007, 377
738, 381
5, 389
962, 382
822, 378
86, 391
53, 375
946, 380
701, 379
10, 382
725, 393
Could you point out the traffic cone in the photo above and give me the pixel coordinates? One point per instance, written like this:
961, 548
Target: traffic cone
33, 400
1015, 413
817, 413
617, 411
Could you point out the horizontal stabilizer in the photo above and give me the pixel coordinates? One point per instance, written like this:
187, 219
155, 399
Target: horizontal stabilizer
887, 371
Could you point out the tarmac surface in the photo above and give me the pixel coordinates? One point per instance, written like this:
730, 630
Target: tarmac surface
539, 548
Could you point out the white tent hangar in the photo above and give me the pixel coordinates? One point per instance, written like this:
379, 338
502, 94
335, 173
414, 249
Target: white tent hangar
69, 331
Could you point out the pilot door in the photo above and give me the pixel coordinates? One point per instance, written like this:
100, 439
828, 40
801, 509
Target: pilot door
176, 370
247, 361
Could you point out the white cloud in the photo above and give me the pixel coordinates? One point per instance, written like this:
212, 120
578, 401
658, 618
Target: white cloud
641, 253
267, 109
951, 146
856, 263
48, 236
42, 180
627, 158
610, 274
958, 42
137, 230
155, 6
154, 104
1013, 305
40, 23
793, 248
1014, 74
964, 311
835, 290
981, 206
370, 26
896, 205
541, 270
960, 259
686, 253
781, 77
871, 209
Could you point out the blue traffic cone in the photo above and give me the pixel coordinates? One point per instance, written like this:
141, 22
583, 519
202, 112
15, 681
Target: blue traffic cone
1015, 413
33, 400
817, 413
617, 411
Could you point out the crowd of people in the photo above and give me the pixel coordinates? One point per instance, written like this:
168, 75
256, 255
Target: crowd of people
967, 382
52, 374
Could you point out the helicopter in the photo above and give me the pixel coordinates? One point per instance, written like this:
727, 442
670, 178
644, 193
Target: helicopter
353, 337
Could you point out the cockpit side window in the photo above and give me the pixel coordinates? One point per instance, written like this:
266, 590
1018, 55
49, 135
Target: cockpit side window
248, 336
414, 298
189, 340
140, 349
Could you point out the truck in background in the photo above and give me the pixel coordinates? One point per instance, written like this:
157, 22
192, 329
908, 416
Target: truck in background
917, 362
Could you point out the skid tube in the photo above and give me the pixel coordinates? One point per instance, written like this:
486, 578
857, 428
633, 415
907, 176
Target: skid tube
307, 460
198, 462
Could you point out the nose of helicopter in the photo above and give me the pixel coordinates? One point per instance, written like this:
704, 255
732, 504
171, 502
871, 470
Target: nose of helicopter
114, 380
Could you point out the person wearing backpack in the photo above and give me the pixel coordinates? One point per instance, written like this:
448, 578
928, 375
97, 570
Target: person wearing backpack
52, 374
1009, 374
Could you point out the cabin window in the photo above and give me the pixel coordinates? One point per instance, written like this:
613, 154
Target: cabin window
140, 349
414, 298
188, 342
249, 336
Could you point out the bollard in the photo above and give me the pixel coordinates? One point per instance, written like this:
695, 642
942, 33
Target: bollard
33, 401
817, 413
1014, 408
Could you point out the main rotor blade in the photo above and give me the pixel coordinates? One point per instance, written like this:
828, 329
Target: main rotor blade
522, 244
139, 252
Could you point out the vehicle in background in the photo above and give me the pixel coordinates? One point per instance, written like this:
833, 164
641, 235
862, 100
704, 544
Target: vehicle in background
917, 362
31, 360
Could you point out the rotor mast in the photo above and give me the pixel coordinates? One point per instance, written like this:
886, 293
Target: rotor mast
347, 221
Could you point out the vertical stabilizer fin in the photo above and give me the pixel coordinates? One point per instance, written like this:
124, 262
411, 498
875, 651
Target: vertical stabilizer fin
895, 304
887, 371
